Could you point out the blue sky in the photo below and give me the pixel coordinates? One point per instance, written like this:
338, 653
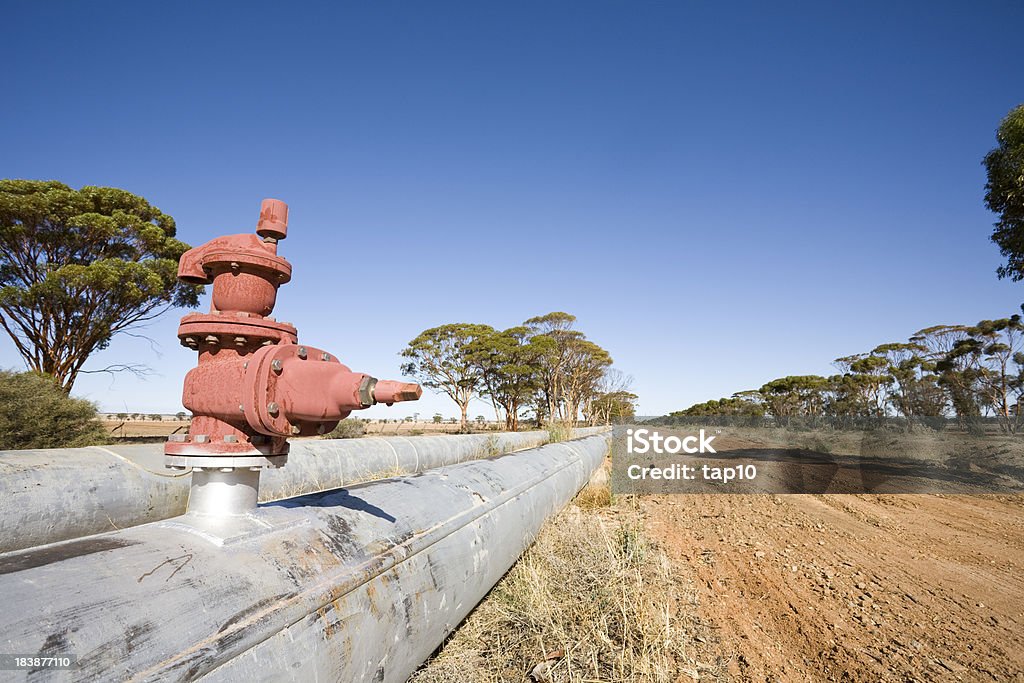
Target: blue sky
723, 193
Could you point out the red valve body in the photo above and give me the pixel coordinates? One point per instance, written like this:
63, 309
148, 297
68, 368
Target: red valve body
254, 384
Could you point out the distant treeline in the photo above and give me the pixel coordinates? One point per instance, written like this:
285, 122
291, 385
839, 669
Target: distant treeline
973, 373
544, 367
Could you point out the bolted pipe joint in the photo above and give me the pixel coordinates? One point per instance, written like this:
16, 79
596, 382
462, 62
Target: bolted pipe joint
255, 385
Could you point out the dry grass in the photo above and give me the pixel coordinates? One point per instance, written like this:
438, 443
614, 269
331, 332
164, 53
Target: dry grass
593, 600
598, 491
559, 431
594, 496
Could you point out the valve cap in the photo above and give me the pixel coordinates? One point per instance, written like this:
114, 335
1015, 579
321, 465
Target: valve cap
273, 219
389, 391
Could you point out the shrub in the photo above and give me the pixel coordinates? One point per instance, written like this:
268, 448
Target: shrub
36, 413
349, 428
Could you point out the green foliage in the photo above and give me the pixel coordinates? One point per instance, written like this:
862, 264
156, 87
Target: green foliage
557, 327
794, 395
613, 407
349, 428
1004, 192
988, 364
974, 371
542, 364
440, 359
914, 389
36, 413
510, 363
723, 406
79, 266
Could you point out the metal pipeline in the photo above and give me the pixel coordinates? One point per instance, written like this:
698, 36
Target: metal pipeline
57, 494
347, 585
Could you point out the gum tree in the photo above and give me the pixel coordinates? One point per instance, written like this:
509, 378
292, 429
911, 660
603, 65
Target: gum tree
584, 365
511, 367
799, 395
1004, 192
992, 356
441, 359
80, 266
612, 406
556, 326
956, 373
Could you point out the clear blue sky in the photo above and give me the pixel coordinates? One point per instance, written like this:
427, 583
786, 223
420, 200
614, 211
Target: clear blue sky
723, 193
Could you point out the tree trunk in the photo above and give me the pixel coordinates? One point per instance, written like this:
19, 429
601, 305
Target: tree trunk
497, 409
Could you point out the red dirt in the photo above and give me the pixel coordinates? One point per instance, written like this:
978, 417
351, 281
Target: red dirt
851, 587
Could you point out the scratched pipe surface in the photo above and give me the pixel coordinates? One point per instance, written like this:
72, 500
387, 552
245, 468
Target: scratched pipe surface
57, 494
357, 584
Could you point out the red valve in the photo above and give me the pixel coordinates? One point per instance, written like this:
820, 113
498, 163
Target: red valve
254, 385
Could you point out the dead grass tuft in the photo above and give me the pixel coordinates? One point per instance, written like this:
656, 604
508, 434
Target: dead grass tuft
594, 496
592, 600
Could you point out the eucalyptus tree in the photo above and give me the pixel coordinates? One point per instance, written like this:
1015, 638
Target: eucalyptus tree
511, 367
78, 267
863, 390
611, 407
956, 373
736, 405
1004, 192
913, 388
993, 353
584, 365
558, 327
795, 395
609, 398
441, 358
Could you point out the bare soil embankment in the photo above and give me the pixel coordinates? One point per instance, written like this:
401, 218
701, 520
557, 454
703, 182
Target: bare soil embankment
852, 587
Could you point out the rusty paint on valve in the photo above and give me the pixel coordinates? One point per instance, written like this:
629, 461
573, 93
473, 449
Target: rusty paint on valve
254, 386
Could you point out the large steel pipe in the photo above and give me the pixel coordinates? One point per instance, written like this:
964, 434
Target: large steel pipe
357, 584
56, 494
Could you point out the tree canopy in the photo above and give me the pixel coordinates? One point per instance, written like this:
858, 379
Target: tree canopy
441, 358
79, 266
966, 371
511, 367
543, 365
1004, 192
